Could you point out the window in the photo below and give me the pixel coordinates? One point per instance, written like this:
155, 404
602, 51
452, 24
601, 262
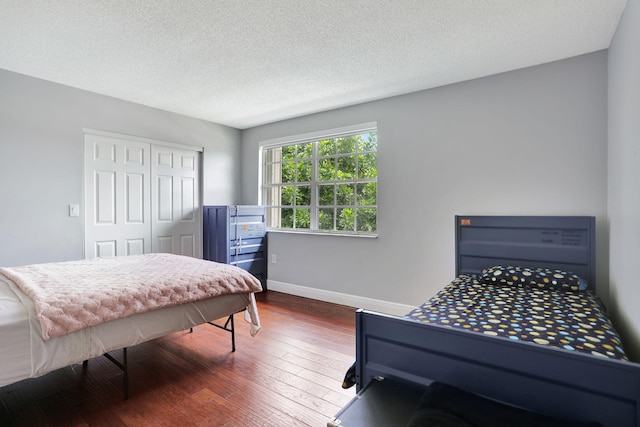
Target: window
322, 183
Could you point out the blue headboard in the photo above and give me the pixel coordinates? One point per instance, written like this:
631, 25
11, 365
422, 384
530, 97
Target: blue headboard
557, 242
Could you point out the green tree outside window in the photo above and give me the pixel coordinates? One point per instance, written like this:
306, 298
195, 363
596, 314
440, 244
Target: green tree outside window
328, 184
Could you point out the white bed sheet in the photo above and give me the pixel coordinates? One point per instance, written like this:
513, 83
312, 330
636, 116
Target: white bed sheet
15, 353
25, 354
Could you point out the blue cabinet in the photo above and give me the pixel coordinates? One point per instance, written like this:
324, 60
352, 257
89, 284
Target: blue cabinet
236, 235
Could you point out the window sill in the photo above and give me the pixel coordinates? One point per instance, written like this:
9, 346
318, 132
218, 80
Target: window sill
322, 233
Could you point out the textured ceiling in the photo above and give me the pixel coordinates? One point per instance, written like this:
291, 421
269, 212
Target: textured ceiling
244, 63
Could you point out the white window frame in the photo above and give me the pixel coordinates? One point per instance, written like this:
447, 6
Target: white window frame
313, 137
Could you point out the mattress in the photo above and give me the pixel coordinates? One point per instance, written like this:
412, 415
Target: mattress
15, 332
551, 317
26, 355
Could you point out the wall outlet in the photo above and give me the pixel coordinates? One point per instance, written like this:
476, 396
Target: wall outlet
274, 259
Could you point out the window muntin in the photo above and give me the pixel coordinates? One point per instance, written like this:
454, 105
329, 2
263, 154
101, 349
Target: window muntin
325, 184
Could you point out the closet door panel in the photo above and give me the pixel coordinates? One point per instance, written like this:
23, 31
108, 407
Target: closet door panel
116, 196
176, 196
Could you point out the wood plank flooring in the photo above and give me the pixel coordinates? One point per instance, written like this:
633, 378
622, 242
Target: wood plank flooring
289, 374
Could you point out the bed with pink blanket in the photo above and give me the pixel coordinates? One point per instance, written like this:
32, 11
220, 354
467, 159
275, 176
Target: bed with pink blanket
58, 314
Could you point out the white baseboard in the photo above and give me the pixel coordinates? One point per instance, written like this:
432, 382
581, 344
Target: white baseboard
340, 298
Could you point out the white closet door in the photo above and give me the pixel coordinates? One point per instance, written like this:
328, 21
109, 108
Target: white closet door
175, 200
117, 207
141, 197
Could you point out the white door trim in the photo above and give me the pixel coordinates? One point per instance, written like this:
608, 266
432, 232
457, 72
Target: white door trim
142, 139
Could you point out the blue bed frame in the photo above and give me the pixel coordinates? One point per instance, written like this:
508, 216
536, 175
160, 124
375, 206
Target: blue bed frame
553, 381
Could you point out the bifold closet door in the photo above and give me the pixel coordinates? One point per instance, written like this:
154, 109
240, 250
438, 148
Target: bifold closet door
141, 197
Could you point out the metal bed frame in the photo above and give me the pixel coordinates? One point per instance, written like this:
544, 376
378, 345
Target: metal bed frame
553, 381
228, 326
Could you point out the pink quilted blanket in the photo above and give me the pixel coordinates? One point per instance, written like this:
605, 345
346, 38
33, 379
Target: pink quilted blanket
69, 296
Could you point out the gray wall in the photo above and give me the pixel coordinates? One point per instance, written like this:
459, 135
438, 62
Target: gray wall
41, 167
624, 176
528, 142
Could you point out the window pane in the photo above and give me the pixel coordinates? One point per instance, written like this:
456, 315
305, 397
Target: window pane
366, 220
305, 151
288, 172
305, 171
367, 193
344, 194
327, 147
345, 219
289, 152
367, 165
325, 219
303, 218
325, 195
287, 218
272, 196
347, 167
287, 196
303, 195
273, 217
273, 173
327, 169
347, 144
368, 142
273, 155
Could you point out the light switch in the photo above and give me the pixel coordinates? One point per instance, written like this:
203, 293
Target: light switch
74, 210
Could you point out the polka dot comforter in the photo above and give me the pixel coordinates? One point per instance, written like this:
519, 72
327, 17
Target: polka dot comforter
553, 317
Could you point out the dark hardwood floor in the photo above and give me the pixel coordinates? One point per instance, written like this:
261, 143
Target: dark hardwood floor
289, 374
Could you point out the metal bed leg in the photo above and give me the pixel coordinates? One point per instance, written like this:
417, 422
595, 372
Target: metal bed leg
125, 380
231, 329
124, 366
233, 334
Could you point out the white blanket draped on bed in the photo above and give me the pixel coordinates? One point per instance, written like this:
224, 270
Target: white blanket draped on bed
69, 296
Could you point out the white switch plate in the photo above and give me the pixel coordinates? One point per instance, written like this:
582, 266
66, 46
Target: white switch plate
74, 210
